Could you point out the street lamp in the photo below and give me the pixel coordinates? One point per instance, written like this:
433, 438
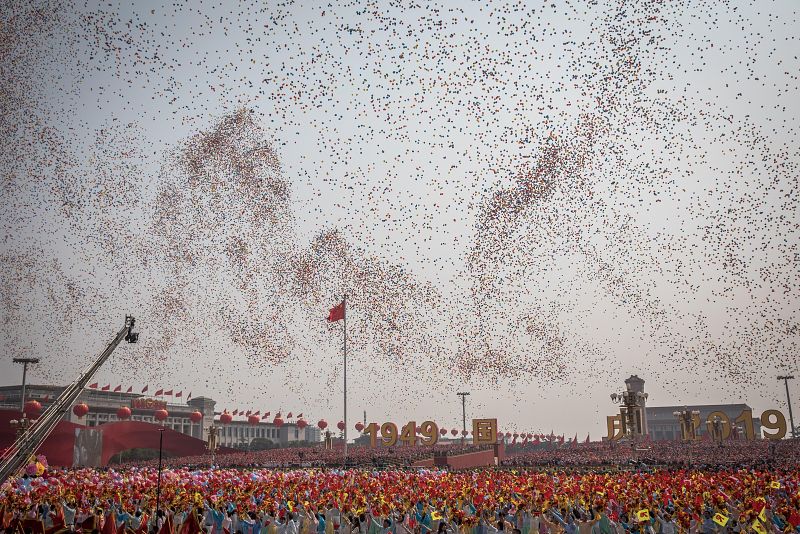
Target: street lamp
158, 484
211, 444
629, 402
24, 362
716, 428
789, 400
686, 419
463, 395
21, 426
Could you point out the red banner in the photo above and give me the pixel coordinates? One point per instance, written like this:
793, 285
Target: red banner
148, 404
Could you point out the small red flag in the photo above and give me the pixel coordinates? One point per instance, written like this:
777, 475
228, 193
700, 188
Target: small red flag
265, 416
235, 412
118, 388
144, 389
794, 519
93, 386
168, 393
179, 394
336, 313
107, 387
130, 389
289, 415
299, 416
159, 392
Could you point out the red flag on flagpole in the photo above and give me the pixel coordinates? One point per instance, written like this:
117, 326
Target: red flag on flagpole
130, 389
179, 394
93, 386
144, 389
235, 412
118, 388
159, 392
336, 313
107, 387
169, 392
265, 416
299, 416
289, 415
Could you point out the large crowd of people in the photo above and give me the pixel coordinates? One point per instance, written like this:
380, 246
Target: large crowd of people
318, 456
593, 488
740, 453
404, 501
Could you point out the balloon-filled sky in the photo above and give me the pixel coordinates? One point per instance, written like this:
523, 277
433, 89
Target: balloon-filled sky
530, 201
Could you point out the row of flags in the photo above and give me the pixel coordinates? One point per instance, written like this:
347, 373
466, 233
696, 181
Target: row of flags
159, 393
248, 413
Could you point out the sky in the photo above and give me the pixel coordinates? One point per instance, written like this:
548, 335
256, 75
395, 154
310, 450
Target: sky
530, 201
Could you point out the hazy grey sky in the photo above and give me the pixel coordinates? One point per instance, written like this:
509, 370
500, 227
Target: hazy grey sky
532, 201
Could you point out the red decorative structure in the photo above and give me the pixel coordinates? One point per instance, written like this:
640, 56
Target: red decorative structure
322, 424
123, 412
443, 431
225, 418
80, 409
454, 432
33, 407
340, 425
278, 421
302, 423
161, 415
195, 417
253, 420
359, 426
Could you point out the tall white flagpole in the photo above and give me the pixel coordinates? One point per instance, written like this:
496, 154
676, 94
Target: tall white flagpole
344, 306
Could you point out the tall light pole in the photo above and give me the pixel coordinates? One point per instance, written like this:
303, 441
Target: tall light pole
158, 484
24, 362
463, 395
786, 379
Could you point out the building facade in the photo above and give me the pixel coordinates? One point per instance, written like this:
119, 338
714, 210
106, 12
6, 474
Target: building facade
103, 406
664, 425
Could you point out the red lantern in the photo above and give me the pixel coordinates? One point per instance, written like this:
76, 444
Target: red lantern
123, 412
443, 431
464, 433
80, 409
253, 419
225, 418
161, 415
516, 435
278, 421
195, 417
340, 425
33, 407
359, 426
322, 424
302, 423
454, 432
508, 434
